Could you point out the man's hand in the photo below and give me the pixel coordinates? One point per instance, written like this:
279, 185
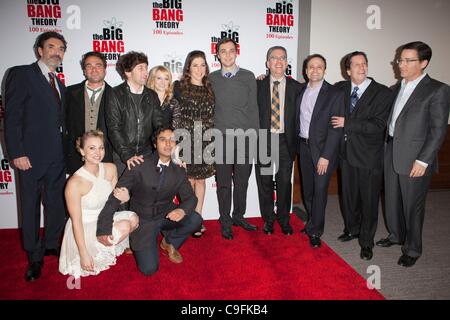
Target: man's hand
176, 215
322, 166
134, 160
22, 163
261, 77
337, 122
417, 170
105, 240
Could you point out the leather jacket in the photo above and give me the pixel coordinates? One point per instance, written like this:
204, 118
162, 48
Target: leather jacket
130, 126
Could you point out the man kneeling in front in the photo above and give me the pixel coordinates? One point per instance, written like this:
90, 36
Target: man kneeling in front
153, 186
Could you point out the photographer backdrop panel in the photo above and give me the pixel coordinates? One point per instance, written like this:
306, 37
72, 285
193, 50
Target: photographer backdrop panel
166, 30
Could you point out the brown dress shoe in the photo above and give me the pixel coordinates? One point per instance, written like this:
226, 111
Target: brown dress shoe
170, 251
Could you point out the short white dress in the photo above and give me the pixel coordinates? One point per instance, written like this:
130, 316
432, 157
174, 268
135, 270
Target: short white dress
91, 205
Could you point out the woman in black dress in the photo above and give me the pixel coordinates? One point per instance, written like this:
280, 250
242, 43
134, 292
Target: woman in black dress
196, 98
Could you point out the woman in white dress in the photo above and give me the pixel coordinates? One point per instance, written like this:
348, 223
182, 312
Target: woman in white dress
86, 193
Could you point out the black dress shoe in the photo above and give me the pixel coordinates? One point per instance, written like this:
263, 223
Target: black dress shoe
244, 224
227, 234
33, 271
287, 230
407, 261
366, 253
315, 242
268, 228
385, 243
52, 252
347, 237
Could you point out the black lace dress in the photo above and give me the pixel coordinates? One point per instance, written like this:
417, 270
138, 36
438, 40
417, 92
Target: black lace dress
195, 107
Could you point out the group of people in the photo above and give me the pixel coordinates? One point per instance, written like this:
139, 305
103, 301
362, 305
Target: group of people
126, 187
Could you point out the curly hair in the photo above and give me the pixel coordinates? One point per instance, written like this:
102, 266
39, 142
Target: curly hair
128, 61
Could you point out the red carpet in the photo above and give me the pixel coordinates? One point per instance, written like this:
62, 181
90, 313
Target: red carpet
252, 266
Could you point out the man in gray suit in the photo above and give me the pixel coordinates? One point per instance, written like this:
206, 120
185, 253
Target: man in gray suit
417, 127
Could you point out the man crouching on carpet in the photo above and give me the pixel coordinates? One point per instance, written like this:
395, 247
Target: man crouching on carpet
153, 186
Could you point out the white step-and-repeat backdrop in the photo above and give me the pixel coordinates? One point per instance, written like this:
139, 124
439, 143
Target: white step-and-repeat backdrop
166, 30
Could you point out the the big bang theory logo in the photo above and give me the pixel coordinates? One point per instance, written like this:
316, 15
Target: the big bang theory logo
229, 30
44, 15
280, 20
167, 16
174, 63
110, 42
5, 177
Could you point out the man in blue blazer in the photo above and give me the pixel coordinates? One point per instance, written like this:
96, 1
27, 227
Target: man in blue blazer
318, 150
34, 126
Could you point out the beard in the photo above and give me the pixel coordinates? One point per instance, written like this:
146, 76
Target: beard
54, 61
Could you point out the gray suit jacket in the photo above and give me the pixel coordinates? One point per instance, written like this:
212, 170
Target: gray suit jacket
421, 126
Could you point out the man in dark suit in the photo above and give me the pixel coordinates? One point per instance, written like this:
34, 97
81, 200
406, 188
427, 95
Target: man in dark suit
85, 108
319, 142
417, 127
361, 155
277, 96
153, 186
34, 129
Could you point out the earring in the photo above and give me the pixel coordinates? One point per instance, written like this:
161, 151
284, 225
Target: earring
82, 158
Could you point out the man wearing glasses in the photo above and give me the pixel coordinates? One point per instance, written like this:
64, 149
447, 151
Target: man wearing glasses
277, 95
416, 129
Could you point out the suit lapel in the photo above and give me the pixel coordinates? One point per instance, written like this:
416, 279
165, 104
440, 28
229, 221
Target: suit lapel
347, 90
268, 101
43, 83
421, 86
321, 98
367, 96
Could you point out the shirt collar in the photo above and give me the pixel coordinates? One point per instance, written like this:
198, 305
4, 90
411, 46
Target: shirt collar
44, 68
163, 163
232, 71
414, 82
317, 88
282, 80
362, 86
101, 88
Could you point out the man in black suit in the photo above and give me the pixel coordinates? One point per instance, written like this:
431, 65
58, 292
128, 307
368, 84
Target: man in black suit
361, 155
318, 149
417, 127
153, 186
85, 108
277, 96
34, 128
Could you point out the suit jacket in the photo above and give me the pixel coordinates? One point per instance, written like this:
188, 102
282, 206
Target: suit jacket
421, 126
323, 138
364, 130
293, 89
75, 124
34, 118
150, 200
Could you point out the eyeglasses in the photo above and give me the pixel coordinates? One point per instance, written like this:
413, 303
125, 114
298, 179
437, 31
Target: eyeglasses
407, 61
283, 58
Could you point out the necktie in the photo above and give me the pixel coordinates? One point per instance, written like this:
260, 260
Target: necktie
162, 170
275, 114
228, 75
51, 75
353, 99
94, 92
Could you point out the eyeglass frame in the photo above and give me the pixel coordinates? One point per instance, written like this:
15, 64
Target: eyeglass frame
282, 58
407, 61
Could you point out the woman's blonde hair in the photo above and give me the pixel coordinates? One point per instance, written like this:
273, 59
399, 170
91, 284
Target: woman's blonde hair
90, 134
152, 78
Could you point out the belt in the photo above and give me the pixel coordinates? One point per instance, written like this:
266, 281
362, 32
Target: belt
304, 140
389, 138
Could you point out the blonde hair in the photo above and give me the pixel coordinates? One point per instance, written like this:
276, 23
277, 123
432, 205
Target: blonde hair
152, 78
90, 134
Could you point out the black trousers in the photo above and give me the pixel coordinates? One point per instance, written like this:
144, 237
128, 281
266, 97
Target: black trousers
175, 234
283, 186
405, 205
360, 196
239, 175
314, 189
43, 182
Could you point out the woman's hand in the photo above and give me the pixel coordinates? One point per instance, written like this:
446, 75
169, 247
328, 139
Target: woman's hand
121, 194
